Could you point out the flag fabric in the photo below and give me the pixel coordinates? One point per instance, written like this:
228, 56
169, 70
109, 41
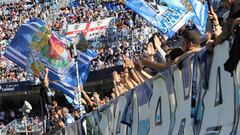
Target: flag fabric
144, 92
127, 117
34, 47
167, 74
200, 10
168, 15
91, 30
81, 42
84, 62
199, 58
186, 74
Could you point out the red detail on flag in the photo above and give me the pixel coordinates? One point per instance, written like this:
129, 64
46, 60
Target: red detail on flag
85, 31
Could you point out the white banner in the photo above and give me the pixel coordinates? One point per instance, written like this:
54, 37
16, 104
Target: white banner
91, 30
163, 106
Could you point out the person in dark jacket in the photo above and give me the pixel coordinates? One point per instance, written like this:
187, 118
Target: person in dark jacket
45, 100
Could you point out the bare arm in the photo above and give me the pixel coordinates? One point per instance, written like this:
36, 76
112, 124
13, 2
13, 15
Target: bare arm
146, 75
141, 78
134, 83
180, 58
46, 81
130, 83
214, 18
116, 92
135, 76
158, 66
86, 97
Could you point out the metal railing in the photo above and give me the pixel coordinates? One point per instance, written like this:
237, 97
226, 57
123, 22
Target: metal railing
19, 126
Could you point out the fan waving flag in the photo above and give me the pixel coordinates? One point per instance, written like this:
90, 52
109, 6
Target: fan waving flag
166, 15
34, 47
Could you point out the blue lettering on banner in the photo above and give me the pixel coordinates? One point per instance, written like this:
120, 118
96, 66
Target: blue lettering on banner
144, 93
183, 87
160, 91
214, 115
163, 104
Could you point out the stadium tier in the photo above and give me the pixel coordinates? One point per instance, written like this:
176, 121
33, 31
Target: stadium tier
126, 67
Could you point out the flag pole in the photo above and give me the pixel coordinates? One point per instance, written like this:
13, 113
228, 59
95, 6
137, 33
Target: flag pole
74, 46
79, 94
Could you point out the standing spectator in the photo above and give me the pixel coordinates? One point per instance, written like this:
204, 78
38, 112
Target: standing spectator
68, 119
76, 114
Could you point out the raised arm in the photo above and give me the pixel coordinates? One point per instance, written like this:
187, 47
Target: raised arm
46, 81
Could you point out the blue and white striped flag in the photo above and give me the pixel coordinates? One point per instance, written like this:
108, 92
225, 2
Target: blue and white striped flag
34, 47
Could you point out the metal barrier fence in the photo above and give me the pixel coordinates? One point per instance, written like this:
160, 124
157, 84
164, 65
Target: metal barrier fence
19, 126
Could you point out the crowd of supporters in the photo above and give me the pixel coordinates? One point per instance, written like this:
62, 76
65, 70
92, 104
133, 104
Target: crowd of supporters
15, 14
157, 54
142, 52
126, 34
60, 117
11, 17
8, 116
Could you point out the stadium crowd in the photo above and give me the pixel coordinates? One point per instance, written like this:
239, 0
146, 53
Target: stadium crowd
11, 17
129, 41
126, 28
15, 14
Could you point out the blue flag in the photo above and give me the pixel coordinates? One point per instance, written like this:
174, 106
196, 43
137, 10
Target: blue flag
127, 117
168, 15
200, 11
34, 47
